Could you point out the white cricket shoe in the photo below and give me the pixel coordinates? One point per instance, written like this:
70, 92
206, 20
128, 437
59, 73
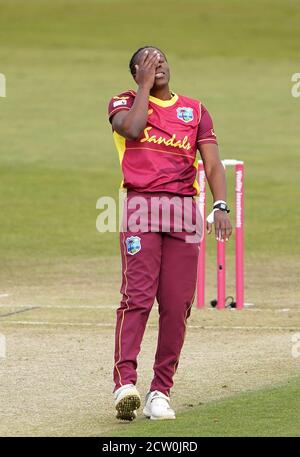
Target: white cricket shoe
157, 406
127, 401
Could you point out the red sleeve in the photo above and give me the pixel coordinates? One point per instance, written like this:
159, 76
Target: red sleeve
206, 132
123, 101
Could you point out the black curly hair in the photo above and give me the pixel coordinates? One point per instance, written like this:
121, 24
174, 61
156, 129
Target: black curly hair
132, 61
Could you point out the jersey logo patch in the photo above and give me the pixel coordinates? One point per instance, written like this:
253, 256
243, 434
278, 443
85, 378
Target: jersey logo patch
119, 103
133, 244
185, 114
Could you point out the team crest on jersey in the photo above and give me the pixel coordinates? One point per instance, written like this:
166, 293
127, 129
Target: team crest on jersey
185, 114
133, 244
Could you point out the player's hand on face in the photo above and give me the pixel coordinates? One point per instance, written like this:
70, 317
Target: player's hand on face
223, 227
145, 70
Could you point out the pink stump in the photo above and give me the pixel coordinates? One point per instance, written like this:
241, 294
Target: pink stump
239, 234
221, 274
201, 259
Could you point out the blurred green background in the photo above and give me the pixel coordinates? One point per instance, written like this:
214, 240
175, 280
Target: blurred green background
63, 60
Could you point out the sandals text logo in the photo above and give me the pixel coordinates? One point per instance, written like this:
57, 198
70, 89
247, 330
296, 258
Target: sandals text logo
2, 85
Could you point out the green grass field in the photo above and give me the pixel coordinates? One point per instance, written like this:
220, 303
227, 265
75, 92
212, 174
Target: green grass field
267, 412
63, 60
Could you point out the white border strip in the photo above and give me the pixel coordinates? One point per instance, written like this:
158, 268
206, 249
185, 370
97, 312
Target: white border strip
115, 307
112, 325
61, 306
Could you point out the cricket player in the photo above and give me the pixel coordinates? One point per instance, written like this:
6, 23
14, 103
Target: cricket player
157, 134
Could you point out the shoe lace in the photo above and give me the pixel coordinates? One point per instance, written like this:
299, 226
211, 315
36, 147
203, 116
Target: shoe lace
161, 400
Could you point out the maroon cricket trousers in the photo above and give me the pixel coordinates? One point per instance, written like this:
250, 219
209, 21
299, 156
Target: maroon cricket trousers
155, 264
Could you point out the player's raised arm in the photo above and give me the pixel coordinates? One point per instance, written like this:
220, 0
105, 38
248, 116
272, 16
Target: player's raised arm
131, 123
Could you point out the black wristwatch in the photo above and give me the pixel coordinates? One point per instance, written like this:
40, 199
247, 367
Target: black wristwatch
222, 207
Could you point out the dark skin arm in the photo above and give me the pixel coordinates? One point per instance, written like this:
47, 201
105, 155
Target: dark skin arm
215, 175
131, 123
